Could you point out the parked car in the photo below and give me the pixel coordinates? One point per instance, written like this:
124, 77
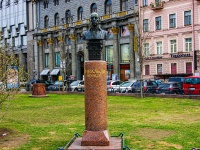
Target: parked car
191, 85
176, 79
125, 87
81, 87
113, 85
74, 86
148, 86
170, 88
57, 86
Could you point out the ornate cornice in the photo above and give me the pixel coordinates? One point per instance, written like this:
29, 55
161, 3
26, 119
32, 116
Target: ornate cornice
130, 27
114, 30
72, 37
40, 43
60, 39
50, 41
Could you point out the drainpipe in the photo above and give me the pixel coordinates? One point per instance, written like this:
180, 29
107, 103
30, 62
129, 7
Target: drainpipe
193, 35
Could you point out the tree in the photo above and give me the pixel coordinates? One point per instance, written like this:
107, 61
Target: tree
10, 76
142, 35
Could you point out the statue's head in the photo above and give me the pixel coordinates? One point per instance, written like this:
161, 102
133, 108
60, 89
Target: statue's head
94, 19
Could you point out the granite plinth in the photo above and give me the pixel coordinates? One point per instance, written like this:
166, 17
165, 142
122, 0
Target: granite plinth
95, 138
39, 90
115, 144
95, 103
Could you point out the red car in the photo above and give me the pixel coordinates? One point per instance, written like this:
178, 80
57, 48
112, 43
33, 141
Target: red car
191, 85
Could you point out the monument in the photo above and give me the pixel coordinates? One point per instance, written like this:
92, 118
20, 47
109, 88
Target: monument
96, 135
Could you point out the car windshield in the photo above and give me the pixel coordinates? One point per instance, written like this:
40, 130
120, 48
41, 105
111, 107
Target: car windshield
126, 84
58, 83
192, 81
164, 85
75, 83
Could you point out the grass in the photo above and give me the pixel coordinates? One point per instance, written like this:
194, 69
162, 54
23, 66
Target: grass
149, 123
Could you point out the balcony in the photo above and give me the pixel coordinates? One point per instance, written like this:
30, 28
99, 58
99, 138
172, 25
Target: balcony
156, 5
122, 13
79, 22
105, 17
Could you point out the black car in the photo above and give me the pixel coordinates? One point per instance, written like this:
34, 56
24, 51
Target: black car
170, 88
148, 86
57, 86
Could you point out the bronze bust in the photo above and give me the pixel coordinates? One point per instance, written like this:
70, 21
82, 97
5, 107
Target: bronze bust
95, 32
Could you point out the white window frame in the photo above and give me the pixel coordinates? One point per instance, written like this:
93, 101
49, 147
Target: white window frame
174, 50
159, 48
188, 48
146, 51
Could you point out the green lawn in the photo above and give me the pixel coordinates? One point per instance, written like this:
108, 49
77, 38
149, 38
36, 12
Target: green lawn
149, 123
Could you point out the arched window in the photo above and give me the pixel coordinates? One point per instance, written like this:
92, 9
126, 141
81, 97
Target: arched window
56, 2
124, 5
45, 3
80, 13
93, 8
57, 18
68, 16
46, 22
108, 7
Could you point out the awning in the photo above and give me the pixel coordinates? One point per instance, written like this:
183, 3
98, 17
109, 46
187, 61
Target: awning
54, 72
166, 76
44, 72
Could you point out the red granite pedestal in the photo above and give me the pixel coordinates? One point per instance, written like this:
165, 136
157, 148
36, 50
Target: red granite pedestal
39, 90
115, 144
96, 133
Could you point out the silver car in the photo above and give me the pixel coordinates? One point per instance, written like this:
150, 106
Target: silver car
76, 85
126, 87
113, 85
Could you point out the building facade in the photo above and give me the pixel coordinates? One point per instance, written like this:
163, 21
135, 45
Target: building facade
13, 29
57, 45
171, 36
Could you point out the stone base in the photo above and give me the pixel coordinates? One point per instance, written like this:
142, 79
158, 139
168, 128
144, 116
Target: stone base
38, 96
95, 138
115, 144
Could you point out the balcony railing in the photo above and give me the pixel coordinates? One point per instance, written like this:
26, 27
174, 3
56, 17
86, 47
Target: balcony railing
78, 22
122, 13
105, 17
156, 5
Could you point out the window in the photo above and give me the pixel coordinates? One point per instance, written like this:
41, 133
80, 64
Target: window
187, 17
146, 25
158, 23
23, 40
110, 34
56, 2
57, 18
124, 31
46, 22
172, 20
93, 8
67, 1
46, 60
109, 54
159, 68
108, 7
45, 3
159, 47
57, 59
124, 5
125, 55
147, 70
136, 2
146, 49
68, 41
173, 68
68, 16
80, 13
188, 44
55, 42
46, 44
79, 37
145, 2
173, 46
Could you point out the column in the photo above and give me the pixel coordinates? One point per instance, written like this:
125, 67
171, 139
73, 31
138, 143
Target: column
115, 51
132, 53
34, 14
40, 50
62, 54
51, 59
36, 69
73, 48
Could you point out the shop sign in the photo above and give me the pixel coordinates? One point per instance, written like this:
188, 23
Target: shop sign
180, 55
155, 57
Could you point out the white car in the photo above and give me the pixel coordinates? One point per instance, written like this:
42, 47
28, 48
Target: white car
77, 86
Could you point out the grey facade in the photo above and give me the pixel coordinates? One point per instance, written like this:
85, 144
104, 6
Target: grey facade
58, 48
13, 29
